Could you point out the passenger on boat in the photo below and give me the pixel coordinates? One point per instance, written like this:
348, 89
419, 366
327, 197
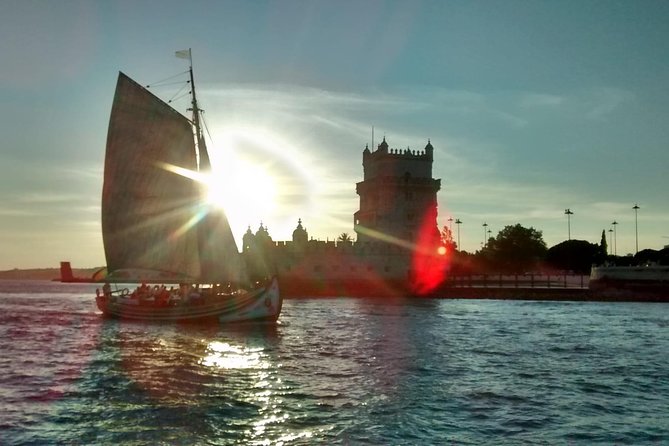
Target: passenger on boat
162, 297
174, 299
195, 296
183, 290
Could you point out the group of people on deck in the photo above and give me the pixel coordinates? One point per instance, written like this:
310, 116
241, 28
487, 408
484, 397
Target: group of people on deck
159, 295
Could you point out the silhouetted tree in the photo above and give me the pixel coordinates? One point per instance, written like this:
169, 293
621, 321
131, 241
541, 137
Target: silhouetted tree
516, 249
463, 263
485, 260
603, 246
574, 255
344, 237
664, 256
646, 256
447, 239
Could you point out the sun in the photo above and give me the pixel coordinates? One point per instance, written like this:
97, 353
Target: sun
247, 192
243, 190
257, 176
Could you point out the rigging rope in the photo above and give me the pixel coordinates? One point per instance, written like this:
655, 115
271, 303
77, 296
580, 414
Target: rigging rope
206, 128
178, 96
162, 82
175, 98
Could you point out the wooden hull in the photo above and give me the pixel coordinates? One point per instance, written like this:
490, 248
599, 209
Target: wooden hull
262, 304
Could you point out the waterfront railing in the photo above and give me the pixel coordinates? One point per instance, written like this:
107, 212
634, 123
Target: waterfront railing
572, 281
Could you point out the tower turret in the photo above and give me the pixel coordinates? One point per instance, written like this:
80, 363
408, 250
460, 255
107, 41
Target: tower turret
248, 240
300, 235
383, 147
429, 150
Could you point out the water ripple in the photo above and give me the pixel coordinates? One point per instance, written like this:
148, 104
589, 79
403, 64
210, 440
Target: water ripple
336, 371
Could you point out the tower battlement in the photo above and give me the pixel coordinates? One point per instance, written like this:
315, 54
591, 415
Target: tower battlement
389, 162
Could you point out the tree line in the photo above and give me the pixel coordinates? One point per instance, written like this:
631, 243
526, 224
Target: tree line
517, 249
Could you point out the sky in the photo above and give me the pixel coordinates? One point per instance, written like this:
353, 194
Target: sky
532, 107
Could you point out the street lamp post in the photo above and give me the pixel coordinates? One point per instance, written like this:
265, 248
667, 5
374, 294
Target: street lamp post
458, 222
615, 238
485, 233
568, 213
636, 225
450, 225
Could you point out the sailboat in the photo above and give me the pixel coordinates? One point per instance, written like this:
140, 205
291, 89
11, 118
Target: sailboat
158, 229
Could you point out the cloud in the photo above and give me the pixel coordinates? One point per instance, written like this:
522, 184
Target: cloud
535, 100
295, 98
46, 197
8, 212
601, 102
325, 132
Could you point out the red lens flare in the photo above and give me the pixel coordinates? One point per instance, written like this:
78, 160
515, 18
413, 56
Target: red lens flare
431, 260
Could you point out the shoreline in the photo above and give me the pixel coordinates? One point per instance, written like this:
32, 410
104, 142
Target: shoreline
452, 292
520, 294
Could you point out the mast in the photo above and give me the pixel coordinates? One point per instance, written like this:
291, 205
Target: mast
218, 254
199, 140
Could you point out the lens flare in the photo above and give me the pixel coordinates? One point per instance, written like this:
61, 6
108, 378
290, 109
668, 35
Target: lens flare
431, 261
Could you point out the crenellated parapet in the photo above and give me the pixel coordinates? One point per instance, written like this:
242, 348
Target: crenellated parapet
384, 149
391, 162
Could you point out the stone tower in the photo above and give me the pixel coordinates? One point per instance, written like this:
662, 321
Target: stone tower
398, 196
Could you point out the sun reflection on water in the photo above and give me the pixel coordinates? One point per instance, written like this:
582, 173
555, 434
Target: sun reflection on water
264, 389
225, 356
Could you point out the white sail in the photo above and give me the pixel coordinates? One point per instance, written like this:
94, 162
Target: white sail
152, 218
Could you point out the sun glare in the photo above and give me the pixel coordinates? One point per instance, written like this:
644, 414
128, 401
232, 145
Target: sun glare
244, 191
259, 177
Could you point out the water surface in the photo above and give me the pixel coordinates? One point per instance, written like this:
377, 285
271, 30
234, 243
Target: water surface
335, 371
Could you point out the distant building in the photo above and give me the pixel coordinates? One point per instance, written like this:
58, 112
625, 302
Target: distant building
395, 225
